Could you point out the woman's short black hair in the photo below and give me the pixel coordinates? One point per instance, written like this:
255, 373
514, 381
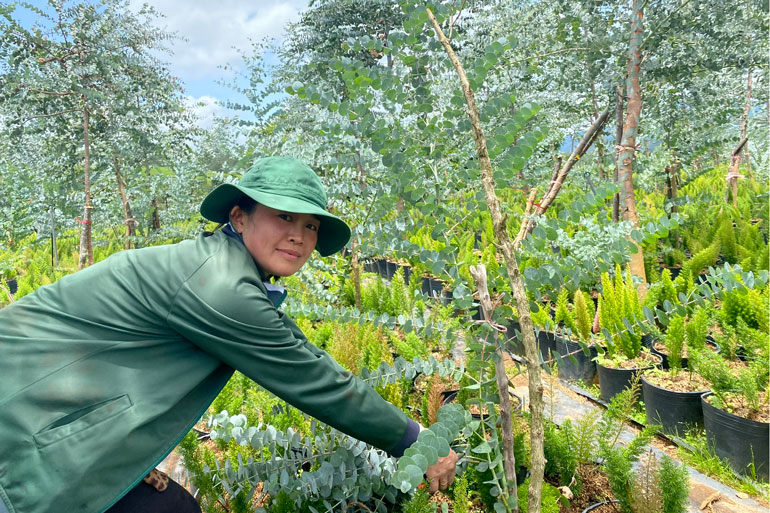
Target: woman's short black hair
247, 204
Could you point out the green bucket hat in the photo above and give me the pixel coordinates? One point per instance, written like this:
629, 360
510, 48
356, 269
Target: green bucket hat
281, 183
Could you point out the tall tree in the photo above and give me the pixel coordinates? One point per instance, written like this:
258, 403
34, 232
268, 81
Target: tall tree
627, 151
66, 73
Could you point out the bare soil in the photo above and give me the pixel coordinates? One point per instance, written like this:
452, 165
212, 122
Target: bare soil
739, 406
596, 488
682, 381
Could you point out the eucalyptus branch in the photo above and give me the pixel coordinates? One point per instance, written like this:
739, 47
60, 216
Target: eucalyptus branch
516, 282
548, 54
651, 31
451, 21
53, 93
49, 115
555, 186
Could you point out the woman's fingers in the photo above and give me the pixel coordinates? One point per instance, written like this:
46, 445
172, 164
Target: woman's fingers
442, 474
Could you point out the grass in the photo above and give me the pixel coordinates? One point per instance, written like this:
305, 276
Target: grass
703, 459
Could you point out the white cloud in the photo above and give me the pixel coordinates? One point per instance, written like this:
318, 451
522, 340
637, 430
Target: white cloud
206, 108
215, 31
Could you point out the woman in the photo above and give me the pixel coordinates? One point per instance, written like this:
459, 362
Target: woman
103, 372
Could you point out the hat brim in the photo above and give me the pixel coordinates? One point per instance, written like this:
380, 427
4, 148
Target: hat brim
333, 234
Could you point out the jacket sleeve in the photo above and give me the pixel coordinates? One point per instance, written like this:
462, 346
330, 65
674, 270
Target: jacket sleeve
229, 316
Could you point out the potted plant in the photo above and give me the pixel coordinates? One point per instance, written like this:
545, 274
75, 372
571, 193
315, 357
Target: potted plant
672, 398
572, 344
735, 412
622, 358
694, 337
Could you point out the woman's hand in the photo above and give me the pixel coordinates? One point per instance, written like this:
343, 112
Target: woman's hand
442, 473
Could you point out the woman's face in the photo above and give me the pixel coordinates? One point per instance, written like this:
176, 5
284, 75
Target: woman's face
280, 242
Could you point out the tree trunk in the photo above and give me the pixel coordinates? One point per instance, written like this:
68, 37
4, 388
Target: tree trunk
128, 216
356, 274
479, 273
627, 150
155, 224
672, 191
532, 354
744, 124
618, 141
86, 250
54, 249
733, 174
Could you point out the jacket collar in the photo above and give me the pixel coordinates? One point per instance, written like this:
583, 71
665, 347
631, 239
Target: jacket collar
275, 293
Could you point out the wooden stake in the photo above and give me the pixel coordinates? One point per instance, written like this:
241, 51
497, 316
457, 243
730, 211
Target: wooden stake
479, 273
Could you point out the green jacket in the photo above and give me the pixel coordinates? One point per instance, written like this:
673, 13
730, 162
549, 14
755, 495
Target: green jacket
103, 372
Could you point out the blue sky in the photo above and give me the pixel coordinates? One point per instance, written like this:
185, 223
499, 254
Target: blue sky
212, 33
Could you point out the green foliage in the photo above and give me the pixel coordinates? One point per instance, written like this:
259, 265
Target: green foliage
541, 318
727, 242
747, 384
410, 346
461, 499
696, 329
660, 487
674, 342
568, 446
700, 456
549, 501
419, 503
675, 484
357, 346
563, 314
704, 258
561, 461
661, 291
618, 305
618, 463
431, 444
583, 309
749, 305
398, 302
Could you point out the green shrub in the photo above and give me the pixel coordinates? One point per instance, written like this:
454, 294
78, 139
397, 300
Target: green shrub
675, 485
561, 461
674, 342
563, 314
419, 503
460, 495
549, 500
619, 301
410, 346
584, 315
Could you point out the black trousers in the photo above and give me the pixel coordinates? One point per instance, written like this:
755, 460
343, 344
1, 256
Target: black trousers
143, 498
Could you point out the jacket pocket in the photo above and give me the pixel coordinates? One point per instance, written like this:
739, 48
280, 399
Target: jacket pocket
82, 419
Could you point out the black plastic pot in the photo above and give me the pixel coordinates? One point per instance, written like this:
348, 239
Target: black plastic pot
12, 285
371, 266
673, 270
515, 344
613, 381
573, 363
676, 412
740, 441
433, 287
592, 507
